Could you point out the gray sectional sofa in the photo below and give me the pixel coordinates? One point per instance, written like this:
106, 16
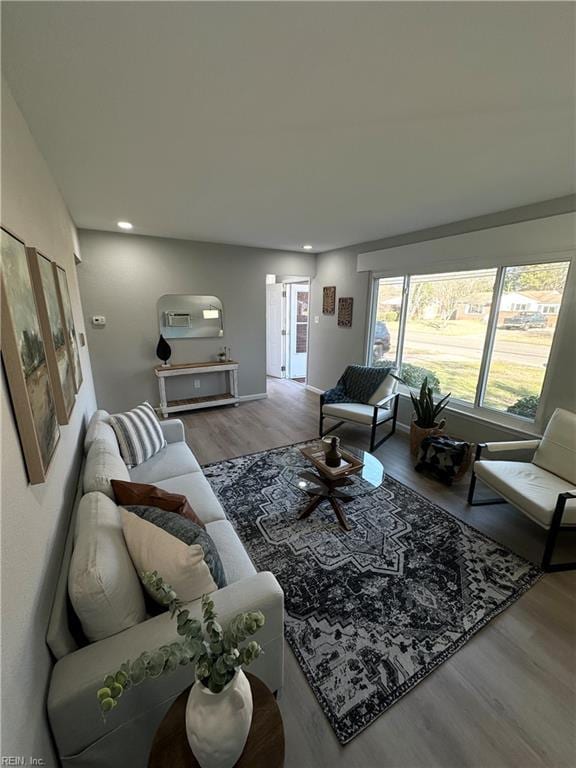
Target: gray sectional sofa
83, 738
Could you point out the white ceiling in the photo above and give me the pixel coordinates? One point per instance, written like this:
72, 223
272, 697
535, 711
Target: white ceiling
278, 124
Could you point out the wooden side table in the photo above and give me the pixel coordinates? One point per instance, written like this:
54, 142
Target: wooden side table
264, 746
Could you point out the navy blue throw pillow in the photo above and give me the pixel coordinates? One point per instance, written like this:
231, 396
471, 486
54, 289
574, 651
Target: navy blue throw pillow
188, 532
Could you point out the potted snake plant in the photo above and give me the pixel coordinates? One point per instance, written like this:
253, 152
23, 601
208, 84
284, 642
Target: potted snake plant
425, 420
219, 709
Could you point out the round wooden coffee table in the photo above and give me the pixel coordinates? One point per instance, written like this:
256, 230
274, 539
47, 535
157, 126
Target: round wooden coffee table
264, 747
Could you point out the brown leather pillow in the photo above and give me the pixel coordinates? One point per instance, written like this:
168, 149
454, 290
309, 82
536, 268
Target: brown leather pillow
142, 494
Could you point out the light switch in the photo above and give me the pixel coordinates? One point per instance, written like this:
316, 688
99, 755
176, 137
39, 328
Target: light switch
98, 321
316, 319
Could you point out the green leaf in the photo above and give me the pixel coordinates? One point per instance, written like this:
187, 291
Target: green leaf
121, 678
156, 664
182, 617
103, 693
116, 690
138, 671
108, 704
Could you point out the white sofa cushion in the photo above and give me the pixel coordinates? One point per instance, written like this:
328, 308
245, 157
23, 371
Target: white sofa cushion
530, 488
173, 460
358, 412
557, 449
180, 565
198, 492
237, 564
100, 429
103, 586
102, 466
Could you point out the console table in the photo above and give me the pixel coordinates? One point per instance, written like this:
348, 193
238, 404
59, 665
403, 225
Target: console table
195, 369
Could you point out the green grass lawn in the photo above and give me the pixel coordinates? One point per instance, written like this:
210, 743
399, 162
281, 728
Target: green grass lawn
507, 382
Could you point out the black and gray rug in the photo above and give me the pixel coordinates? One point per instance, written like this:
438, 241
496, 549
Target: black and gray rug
369, 613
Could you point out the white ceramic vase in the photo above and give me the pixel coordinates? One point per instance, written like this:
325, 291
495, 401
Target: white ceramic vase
217, 724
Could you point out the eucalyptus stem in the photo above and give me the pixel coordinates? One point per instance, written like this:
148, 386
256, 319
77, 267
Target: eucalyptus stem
215, 650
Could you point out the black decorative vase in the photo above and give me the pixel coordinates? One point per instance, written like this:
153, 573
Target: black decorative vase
163, 350
333, 456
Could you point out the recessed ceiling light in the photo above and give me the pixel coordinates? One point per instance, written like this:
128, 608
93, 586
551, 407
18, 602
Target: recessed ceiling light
125, 225
307, 247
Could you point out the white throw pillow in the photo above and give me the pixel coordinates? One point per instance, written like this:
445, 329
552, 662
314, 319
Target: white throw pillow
139, 434
557, 450
387, 387
180, 565
102, 466
102, 583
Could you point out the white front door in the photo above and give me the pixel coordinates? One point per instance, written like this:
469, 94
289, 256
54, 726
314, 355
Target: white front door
298, 346
274, 328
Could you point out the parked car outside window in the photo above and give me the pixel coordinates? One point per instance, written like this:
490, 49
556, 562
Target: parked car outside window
525, 320
381, 341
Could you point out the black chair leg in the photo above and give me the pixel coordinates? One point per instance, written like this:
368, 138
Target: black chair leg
373, 432
395, 414
555, 527
472, 488
373, 443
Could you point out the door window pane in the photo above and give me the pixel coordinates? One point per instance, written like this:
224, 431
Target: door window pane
527, 316
301, 322
446, 329
384, 345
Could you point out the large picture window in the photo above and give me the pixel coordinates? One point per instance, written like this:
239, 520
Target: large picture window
523, 338
446, 328
384, 344
483, 335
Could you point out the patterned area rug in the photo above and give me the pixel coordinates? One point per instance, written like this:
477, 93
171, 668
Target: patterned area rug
369, 613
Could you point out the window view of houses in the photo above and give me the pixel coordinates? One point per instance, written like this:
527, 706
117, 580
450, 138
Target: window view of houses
495, 359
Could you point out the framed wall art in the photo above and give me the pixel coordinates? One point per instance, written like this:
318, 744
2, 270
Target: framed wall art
24, 358
345, 306
60, 364
329, 300
68, 322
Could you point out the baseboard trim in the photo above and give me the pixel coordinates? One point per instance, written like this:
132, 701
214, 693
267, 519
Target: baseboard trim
315, 389
257, 396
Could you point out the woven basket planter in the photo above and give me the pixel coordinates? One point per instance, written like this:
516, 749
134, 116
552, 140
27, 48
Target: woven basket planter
417, 434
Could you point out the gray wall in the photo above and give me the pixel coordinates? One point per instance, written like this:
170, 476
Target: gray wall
123, 276
332, 348
34, 518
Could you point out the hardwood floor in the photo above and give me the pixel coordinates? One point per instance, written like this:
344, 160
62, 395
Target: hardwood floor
507, 699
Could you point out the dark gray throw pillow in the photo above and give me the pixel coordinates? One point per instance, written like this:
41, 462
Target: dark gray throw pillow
188, 532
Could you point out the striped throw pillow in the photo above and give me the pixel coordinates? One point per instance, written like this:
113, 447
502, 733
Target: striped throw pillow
139, 434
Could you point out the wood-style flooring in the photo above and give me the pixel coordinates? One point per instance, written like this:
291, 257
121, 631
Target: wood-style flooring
507, 699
